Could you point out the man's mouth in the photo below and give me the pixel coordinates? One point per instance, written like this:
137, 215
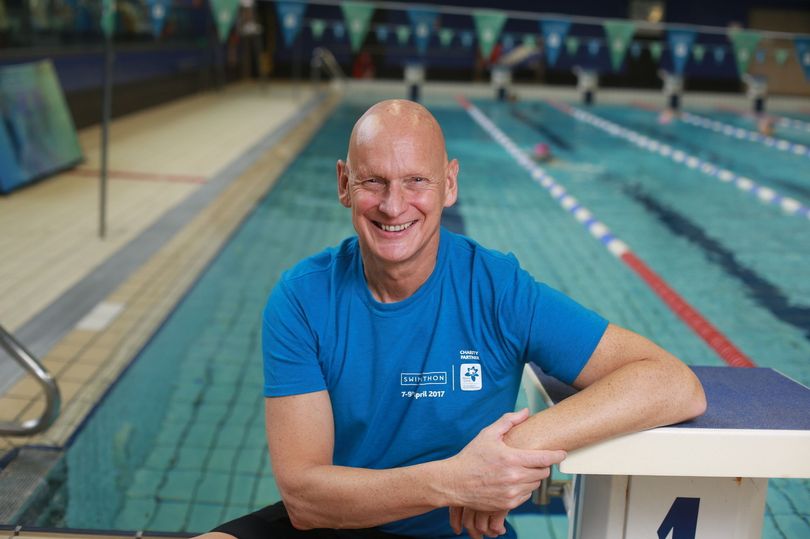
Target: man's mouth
394, 228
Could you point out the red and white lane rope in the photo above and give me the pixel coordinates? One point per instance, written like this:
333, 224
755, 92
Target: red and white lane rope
764, 194
745, 134
724, 348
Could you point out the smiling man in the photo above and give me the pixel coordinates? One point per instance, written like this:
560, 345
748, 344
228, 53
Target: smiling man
393, 361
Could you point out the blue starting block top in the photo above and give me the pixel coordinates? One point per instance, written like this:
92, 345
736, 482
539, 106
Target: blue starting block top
757, 424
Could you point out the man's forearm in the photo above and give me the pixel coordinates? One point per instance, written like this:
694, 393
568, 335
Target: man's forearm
641, 395
328, 496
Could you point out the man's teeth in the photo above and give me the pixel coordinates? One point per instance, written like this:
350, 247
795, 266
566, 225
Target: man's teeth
395, 228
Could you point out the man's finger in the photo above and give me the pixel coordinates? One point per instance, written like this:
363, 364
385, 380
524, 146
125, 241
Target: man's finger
455, 520
496, 522
510, 420
540, 458
468, 520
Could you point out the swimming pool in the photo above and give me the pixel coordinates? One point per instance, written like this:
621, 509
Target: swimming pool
178, 443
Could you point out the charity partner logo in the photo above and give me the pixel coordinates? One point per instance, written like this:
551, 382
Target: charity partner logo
470, 376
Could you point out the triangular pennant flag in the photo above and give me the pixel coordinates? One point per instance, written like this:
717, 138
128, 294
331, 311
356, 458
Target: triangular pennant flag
291, 15
403, 34
781, 56
488, 25
656, 48
719, 54
108, 17
224, 12
618, 34
338, 30
157, 13
802, 45
744, 41
317, 26
422, 21
760, 56
529, 40
466, 39
680, 41
572, 45
594, 46
357, 15
698, 52
446, 36
554, 32
382, 33
635, 49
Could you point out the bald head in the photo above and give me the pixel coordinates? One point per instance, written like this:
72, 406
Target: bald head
398, 122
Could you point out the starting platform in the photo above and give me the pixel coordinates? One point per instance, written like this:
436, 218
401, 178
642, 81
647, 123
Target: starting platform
703, 478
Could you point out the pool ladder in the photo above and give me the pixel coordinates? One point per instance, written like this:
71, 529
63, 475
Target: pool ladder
52, 399
323, 59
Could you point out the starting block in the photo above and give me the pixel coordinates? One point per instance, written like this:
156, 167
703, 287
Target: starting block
703, 478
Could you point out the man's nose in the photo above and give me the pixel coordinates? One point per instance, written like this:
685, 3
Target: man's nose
394, 201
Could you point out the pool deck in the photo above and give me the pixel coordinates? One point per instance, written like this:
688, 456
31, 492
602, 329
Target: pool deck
182, 178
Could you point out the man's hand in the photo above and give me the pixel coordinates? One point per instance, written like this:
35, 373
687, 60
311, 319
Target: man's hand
478, 523
490, 477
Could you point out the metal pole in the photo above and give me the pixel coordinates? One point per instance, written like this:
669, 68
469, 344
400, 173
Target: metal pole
105, 127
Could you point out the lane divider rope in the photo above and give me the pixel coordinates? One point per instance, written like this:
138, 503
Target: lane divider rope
718, 342
744, 134
764, 194
792, 123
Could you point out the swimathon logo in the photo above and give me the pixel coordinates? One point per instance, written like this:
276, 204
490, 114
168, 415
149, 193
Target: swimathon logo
423, 378
471, 376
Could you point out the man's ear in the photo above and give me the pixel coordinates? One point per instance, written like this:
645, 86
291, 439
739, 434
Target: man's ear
343, 184
451, 194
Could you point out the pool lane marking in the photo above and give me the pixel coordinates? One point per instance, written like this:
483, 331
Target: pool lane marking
712, 336
784, 121
764, 194
744, 134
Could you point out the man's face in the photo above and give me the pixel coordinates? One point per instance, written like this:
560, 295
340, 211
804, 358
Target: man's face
396, 182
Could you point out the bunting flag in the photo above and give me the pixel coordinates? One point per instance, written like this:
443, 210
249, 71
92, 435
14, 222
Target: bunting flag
338, 30
291, 15
488, 26
680, 43
529, 40
635, 49
760, 56
593, 47
446, 36
357, 15
508, 41
698, 52
403, 34
382, 33
656, 48
422, 21
744, 41
572, 45
157, 14
719, 54
224, 12
554, 33
108, 17
781, 56
466, 39
317, 26
802, 45
618, 34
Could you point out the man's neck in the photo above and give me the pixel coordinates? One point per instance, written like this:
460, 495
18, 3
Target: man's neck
389, 283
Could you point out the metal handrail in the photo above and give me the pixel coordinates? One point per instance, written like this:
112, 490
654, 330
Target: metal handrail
323, 58
52, 398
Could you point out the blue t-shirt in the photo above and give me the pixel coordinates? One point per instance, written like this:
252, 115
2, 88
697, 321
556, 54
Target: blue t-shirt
415, 381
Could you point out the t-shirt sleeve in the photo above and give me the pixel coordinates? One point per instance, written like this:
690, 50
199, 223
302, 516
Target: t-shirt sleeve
549, 328
289, 347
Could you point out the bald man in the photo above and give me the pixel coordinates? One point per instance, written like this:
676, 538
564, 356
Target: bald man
392, 363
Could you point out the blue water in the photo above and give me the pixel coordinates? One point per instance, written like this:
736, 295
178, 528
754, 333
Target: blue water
178, 444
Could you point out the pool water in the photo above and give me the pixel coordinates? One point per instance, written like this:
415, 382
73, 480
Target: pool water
178, 443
